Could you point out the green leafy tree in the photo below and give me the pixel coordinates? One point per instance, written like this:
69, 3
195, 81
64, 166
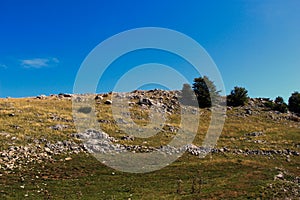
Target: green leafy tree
206, 92
294, 102
280, 105
187, 96
238, 97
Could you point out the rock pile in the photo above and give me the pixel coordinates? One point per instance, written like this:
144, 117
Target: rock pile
16, 157
166, 100
200, 150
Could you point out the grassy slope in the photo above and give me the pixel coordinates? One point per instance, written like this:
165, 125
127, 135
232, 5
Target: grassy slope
224, 176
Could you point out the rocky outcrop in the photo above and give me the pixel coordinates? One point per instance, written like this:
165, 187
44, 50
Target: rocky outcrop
92, 141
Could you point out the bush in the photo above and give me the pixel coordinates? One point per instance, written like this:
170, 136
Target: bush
294, 102
269, 104
187, 96
280, 105
238, 97
85, 110
206, 92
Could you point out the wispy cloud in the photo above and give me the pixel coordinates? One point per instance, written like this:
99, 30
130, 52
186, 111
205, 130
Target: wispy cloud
2, 66
38, 63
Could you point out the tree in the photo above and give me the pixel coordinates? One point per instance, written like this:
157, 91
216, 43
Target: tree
187, 96
294, 102
206, 92
279, 100
280, 105
238, 97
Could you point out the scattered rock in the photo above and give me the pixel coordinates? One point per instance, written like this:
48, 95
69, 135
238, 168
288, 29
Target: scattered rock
59, 127
47, 150
279, 176
121, 121
248, 111
15, 126
108, 102
13, 138
4, 134
41, 96
128, 138
104, 121
98, 97
68, 158
78, 99
145, 101
254, 134
131, 103
64, 95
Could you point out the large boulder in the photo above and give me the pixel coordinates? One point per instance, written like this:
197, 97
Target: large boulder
145, 101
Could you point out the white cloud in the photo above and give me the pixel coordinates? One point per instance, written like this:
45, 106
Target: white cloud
38, 63
2, 66
55, 60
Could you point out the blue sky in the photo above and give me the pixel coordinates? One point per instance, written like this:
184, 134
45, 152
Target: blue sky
255, 44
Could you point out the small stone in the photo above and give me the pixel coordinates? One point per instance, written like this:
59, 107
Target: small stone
108, 102
98, 97
68, 158
128, 138
248, 112
61, 95
254, 134
131, 103
145, 101
6, 159
279, 176
41, 96
58, 127
47, 150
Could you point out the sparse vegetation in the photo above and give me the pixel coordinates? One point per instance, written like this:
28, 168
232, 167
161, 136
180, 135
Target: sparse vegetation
223, 175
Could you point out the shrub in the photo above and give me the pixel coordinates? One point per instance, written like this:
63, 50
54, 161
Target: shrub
269, 104
238, 97
206, 92
294, 102
280, 105
85, 110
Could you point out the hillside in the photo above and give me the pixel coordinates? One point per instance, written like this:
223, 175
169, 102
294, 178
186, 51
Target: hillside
43, 155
